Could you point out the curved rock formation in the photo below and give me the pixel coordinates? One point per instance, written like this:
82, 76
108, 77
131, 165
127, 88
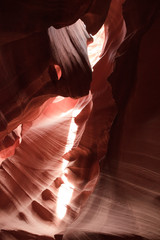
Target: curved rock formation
79, 154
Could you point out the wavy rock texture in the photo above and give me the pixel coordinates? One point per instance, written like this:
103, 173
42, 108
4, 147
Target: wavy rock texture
31, 179
25, 87
46, 184
125, 203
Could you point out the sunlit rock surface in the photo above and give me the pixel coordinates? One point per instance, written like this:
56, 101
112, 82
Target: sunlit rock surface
52, 149
125, 203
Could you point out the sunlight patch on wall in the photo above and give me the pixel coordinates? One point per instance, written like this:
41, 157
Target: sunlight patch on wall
96, 47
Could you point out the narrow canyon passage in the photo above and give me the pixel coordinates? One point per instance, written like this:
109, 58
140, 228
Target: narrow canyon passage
79, 120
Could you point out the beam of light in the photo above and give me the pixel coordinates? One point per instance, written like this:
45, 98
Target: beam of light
66, 189
71, 137
64, 197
